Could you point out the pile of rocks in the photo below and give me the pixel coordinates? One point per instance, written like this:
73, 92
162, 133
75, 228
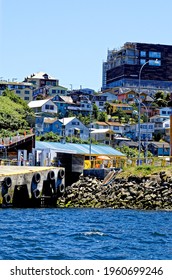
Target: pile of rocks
150, 192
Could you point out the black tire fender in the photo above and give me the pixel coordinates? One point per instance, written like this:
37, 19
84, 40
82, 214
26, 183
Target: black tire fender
36, 193
7, 198
37, 178
61, 188
61, 173
51, 175
8, 182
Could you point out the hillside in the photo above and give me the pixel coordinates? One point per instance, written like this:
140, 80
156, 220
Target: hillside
14, 112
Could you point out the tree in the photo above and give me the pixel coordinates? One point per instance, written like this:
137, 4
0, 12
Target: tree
121, 115
95, 111
102, 117
157, 136
131, 152
14, 112
161, 99
84, 119
108, 108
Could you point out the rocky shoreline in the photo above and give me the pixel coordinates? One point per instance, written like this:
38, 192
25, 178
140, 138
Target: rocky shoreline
152, 192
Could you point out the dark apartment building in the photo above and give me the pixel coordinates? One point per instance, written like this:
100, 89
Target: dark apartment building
123, 67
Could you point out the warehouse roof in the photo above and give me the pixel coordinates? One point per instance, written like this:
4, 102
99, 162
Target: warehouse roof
81, 149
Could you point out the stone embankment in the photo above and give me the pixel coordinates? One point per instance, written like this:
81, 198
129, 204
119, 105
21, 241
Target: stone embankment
149, 192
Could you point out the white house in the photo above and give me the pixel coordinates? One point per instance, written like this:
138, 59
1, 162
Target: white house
158, 118
165, 111
105, 136
160, 123
42, 106
116, 127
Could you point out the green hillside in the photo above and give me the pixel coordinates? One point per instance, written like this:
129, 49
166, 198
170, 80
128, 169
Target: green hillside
14, 112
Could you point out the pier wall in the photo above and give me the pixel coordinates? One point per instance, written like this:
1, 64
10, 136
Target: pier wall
30, 186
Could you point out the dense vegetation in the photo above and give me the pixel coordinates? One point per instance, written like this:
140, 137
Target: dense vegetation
52, 137
15, 114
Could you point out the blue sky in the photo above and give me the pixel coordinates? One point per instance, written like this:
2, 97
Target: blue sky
68, 39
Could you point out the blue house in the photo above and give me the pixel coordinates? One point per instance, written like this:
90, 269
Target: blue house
159, 148
62, 102
66, 126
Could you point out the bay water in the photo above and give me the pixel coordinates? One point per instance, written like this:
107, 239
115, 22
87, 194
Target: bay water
85, 234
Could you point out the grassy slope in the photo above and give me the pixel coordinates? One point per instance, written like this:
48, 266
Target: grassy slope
144, 170
11, 114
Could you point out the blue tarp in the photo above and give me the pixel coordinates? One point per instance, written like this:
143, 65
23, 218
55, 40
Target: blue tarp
81, 149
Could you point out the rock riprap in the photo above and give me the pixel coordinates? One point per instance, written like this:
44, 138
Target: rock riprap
150, 193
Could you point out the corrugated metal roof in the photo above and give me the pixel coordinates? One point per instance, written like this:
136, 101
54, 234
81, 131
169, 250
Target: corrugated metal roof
159, 144
82, 149
101, 130
65, 121
67, 99
37, 103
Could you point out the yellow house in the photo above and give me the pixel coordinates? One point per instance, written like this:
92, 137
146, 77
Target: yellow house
125, 107
22, 89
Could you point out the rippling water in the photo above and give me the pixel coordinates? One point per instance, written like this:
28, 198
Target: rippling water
78, 234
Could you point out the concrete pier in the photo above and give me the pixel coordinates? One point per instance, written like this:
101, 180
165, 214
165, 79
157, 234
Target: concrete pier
31, 186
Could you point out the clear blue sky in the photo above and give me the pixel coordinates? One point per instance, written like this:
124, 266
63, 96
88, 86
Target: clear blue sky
68, 39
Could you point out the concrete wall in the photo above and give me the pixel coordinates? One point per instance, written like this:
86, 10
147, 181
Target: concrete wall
27, 186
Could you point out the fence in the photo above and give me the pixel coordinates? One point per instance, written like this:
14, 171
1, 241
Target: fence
128, 162
14, 162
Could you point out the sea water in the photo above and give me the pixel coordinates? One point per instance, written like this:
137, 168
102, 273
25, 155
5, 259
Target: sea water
78, 234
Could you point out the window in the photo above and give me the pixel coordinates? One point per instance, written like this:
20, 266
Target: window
150, 126
17, 91
154, 62
27, 92
155, 54
26, 98
142, 53
49, 107
130, 61
75, 123
130, 95
53, 91
142, 61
